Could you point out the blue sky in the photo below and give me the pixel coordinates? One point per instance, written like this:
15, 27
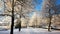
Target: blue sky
57, 2
39, 5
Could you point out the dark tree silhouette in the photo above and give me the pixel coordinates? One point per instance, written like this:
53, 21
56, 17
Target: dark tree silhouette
12, 24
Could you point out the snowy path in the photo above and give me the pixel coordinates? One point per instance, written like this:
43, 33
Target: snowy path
31, 31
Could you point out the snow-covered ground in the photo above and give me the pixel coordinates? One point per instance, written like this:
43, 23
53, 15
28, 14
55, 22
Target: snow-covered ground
30, 31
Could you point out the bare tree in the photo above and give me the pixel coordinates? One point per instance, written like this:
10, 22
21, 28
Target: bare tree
49, 6
21, 8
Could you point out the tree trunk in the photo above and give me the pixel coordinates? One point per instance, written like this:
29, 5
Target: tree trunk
20, 25
49, 26
12, 24
20, 19
20, 28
